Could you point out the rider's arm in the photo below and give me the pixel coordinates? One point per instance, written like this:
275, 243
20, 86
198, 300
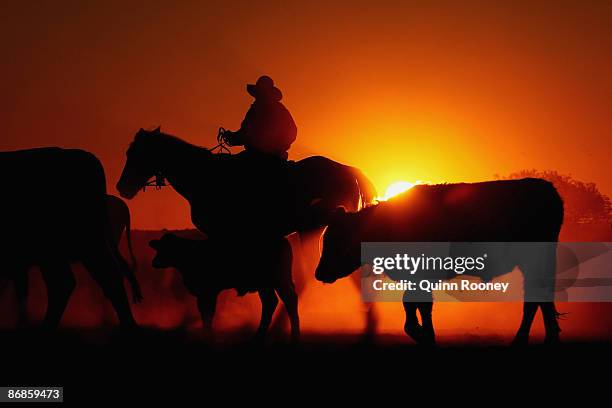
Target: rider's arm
247, 127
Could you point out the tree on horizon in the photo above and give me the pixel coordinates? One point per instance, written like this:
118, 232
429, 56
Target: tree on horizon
583, 202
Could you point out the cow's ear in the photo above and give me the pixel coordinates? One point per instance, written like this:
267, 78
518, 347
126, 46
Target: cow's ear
154, 243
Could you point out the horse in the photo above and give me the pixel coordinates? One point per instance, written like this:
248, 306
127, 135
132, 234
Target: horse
238, 194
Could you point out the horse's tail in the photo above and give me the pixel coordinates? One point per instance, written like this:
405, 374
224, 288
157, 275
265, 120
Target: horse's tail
367, 191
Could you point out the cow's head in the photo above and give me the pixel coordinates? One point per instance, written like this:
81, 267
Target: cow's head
341, 254
167, 250
140, 164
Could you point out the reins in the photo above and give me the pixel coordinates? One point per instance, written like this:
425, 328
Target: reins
222, 146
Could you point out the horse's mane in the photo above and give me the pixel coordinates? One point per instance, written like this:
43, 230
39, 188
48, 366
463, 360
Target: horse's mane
163, 139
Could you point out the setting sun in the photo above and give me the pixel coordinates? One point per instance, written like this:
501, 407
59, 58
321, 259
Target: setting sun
395, 188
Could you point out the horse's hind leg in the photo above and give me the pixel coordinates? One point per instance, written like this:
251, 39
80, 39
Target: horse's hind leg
60, 283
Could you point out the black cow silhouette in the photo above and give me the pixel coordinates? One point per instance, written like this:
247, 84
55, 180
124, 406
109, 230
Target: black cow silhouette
211, 266
54, 212
119, 222
527, 210
243, 195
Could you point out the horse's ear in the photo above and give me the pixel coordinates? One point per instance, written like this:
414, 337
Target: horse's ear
157, 129
324, 214
340, 211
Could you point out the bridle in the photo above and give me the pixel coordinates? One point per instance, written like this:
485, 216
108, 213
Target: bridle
158, 181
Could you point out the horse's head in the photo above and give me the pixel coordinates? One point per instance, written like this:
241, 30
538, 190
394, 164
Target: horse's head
142, 161
340, 255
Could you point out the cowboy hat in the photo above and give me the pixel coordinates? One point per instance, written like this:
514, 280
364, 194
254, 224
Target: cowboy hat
264, 89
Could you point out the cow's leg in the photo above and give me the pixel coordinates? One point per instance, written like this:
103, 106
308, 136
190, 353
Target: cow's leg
207, 304
60, 283
290, 299
269, 301
428, 334
370, 314
106, 271
423, 302
20, 283
128, 272
412, 327
551, 325
522, 335
549, 312
371, 321
539, 288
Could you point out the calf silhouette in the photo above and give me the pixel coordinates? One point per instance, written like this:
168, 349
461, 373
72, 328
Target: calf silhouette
527, 210
211, 266
55, 211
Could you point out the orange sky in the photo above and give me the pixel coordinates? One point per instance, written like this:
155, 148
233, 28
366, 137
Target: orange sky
441, 91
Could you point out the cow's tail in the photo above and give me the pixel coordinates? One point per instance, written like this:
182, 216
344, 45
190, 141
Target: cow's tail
134, 284
367, 191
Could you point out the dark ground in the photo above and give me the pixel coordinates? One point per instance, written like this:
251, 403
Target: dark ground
111, 367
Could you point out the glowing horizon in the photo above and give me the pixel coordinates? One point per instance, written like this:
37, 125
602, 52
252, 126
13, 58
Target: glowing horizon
396, 188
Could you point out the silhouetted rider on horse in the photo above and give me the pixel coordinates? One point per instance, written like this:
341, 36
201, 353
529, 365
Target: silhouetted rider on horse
268, 130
